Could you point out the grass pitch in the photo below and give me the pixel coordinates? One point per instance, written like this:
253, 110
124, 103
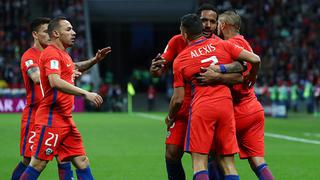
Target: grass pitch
131, 147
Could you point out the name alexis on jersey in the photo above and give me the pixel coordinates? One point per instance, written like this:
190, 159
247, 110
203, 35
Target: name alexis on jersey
203, 50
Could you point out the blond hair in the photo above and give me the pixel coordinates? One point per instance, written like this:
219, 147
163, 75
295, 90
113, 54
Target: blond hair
231, 18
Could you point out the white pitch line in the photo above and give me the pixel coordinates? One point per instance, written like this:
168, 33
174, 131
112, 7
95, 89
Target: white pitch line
289, 138
150, 116
273, 135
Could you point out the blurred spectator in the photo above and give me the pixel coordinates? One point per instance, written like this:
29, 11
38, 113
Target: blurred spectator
308, 96
283, 94
116, 98
317, 97
294, 97
3, 83
85, 82
151, 97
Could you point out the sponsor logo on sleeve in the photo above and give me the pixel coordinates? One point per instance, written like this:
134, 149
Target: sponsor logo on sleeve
54, 64
29, 62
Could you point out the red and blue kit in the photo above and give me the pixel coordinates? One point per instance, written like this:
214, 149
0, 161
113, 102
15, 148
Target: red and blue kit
211, 122
249, 113
29, 60
176, 134
55, 128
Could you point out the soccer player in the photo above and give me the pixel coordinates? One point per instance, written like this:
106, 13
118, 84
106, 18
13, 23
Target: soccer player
31, 76
210, 126
176, 134
55, 129
249, 113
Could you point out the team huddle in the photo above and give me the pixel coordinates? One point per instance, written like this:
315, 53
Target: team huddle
213, 113
47, 127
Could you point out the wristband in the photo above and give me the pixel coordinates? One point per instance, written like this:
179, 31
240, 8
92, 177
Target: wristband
223, 68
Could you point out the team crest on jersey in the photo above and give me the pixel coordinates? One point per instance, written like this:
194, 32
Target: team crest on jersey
49, 151
29, 62
54, 64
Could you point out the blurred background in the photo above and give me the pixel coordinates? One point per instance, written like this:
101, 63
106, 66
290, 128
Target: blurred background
284, 33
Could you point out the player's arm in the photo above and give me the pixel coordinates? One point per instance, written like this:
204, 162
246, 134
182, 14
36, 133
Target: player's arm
157, 67
100, 55
235, 67
65, 87
175, 105
163, 62
254, 60
209, 76
34, 74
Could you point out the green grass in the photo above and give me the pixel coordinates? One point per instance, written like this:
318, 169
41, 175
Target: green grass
130, 147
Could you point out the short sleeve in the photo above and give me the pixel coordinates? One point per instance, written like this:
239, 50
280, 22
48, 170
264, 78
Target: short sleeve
178, 80
170, 52
52, 65
232, 49
29, 63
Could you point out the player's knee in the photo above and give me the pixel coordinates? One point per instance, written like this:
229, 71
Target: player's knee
26, 161
173, 154
256, 161
38, 164
81, 162
227, 165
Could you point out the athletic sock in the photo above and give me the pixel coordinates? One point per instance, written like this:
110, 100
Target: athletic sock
214, 170
30, 174
18, 171
175, 170
65, 172
263, 172
201, 175
84, 174
231, 177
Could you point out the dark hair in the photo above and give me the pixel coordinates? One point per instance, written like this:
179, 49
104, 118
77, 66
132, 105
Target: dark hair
37, 22
54, 24
192, 24
206, 6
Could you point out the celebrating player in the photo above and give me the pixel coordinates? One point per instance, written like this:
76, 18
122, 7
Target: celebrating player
176, 133
209, 126
55, 129
249, 113
31, 76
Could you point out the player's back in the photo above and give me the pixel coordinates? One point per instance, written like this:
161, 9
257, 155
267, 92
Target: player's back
176, 45
202, 53
55, 103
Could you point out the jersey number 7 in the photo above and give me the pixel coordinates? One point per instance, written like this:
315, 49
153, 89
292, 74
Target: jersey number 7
212, 59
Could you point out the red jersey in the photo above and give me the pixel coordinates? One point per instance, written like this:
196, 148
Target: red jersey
202, 53
56, 107
241, 93
30, 59
176, 45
